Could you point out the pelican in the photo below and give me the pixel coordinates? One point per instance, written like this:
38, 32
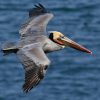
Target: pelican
34, 43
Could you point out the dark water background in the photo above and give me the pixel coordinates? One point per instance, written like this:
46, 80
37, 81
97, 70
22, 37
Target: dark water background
73, 75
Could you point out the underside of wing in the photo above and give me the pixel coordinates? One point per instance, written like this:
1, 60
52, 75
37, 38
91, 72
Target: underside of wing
35, 63
37, 22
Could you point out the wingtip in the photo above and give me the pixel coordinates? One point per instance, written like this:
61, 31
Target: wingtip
25, 90
41, 5
38, 9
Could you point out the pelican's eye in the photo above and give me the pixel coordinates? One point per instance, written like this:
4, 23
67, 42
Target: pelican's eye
62, 37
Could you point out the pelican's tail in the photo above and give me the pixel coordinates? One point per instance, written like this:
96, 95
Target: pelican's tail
9, 48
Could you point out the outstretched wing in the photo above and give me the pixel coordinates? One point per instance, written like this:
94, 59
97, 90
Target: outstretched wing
35, 63
37, 22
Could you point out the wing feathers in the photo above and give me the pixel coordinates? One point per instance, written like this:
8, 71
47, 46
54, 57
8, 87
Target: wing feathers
40, 9
37, 22
34, 72
31, 80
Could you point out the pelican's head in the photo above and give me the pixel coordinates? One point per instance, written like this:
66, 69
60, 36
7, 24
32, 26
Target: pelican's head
63, 41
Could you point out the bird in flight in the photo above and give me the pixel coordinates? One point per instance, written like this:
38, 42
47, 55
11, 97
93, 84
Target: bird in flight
34, 43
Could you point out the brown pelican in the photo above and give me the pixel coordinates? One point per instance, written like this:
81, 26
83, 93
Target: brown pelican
34, 44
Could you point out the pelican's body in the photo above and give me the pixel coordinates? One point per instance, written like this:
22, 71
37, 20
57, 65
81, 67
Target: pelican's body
42, 41
34, 44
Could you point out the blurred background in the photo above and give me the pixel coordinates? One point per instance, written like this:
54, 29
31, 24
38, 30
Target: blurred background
73, 75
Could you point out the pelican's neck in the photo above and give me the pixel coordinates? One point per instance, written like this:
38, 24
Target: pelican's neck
52, 46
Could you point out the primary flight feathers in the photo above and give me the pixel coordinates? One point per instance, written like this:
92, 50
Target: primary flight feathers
38, 10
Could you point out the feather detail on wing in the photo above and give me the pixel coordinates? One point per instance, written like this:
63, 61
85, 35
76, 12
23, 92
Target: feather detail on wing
35, 63
37, 22
38, 10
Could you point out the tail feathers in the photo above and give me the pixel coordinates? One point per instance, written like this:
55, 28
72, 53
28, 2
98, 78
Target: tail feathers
9, 48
